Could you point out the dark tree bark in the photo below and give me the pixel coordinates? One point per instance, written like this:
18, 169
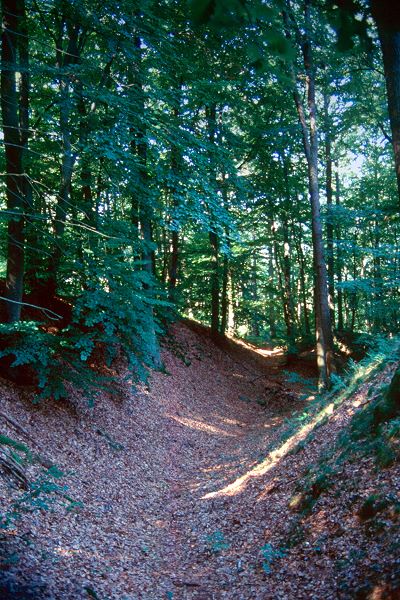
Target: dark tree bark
142, 209
329, 221
271, 307
302, 276
75, 38
224, 295
14, 108
214, 243
225, 305
323, 327
340, 321
176, 165
387, 17
213, 236
287, 269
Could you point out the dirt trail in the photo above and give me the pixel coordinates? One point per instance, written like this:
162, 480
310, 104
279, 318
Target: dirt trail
179, 496
146, 527
217, 431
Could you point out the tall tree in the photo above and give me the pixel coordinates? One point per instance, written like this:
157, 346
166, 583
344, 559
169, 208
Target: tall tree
15, 114
387, 17
323, 327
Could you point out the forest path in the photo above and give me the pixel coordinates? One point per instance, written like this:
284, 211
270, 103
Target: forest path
166, 477
220, 421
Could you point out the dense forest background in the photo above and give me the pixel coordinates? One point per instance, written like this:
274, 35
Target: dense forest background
230, 161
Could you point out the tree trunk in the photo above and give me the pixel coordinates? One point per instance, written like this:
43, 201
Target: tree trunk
287, 270
302, 277
224, 298
225, 301
211, 112
340, 321
387, 18
214, 242
176, 164
324, 337
142, 209
63, 206
271, 271
329, 220
14, 108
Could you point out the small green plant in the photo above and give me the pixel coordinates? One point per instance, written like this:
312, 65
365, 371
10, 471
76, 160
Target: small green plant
269, 555
378, 503
216, 542
292, 377
310, 489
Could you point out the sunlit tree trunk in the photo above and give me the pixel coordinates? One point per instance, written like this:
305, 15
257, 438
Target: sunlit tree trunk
329, 220
323, 327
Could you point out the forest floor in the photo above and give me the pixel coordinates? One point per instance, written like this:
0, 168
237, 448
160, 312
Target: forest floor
182, 489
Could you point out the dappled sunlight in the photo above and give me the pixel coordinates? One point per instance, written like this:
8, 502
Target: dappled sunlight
219, 467
262, 351
271, 460
201, 426
68, 552
229, 421
272, 422
272, 485
268, 352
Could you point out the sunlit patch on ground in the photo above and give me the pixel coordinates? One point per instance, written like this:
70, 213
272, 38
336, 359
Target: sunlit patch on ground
201, 426
271, 460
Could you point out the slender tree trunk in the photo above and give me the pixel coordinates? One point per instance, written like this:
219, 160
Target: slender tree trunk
142, 209
378, 319
324, 337
225, 304
214, 243
224, 298
255, 330
213, 236
340, 321
387, 18
329, 221
64, 59
176, 164
279, 268
271, 286
14, 108
287, 269
302, 276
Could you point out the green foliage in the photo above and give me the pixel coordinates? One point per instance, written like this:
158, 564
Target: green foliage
269, 555
41, 493
53, 360
217, 542
317, 481
113, 316
377, 503
7, 441
293, 377
116, 312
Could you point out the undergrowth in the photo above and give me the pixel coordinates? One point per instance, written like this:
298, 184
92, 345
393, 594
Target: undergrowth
374, 430
29, 493
112, 317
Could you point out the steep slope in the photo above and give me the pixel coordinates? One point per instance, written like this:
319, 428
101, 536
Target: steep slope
189, 488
